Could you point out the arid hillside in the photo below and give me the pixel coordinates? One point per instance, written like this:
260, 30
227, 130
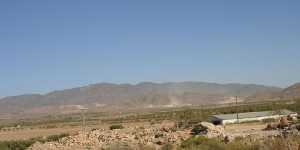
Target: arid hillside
142, 95
291, 92
288, 93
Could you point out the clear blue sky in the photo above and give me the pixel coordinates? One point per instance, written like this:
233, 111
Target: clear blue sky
57, 44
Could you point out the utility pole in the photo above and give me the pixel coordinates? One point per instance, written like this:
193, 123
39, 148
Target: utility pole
237, 113
83, 124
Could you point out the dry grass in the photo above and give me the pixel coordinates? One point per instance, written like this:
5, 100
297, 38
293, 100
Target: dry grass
275, 143
32, 133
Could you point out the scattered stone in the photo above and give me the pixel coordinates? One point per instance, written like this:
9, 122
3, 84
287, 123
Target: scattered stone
152, 135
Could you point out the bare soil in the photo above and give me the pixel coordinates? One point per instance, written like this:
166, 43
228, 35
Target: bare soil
248, 129
24, 134
32, 132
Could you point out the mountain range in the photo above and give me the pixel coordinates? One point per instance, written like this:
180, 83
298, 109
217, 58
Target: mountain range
143, 95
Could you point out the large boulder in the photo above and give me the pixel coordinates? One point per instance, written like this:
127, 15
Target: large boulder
283, 122
208, 129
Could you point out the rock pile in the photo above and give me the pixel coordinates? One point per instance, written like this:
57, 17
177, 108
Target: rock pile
154, 135
209, 130
283, 123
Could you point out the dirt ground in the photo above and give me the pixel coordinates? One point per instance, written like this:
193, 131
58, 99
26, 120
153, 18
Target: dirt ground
246, 129
235, 130
27, 133
31, 133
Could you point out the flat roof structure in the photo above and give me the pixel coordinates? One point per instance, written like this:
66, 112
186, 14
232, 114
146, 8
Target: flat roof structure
253, 114
248, 116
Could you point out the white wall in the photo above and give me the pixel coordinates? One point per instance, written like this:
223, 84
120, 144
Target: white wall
251, 119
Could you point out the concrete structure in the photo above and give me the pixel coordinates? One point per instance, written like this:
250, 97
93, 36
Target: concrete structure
250, 116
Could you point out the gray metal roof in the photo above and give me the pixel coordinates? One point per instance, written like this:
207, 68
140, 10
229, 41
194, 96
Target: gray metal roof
252, 114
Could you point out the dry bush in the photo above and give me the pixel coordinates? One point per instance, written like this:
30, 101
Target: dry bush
280, 143
116, 126
292, 142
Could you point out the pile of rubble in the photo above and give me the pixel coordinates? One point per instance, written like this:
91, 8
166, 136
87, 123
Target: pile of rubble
154, 135
284, 124
150, 135
208, 130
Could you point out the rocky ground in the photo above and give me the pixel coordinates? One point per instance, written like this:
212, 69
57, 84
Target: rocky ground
131, 137
157, 135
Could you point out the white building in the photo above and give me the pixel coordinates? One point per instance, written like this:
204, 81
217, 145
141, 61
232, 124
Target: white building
250, 116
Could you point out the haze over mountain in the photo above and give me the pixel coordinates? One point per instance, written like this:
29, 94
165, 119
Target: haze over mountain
290, 92
142, 95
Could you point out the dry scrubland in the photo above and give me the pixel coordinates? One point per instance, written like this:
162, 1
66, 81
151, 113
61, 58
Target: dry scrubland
157, 130
167, 135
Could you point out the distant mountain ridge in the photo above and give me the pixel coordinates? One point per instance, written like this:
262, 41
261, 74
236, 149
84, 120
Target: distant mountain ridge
288, 93
145, 94
291, 92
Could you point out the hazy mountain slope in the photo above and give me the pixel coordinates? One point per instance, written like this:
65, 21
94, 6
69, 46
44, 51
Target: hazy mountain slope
291, 92
128, 95
14, 104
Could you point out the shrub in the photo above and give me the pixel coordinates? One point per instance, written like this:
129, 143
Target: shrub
168, 146
116, 126
24, 144
298, 127
152, 122
199, 129
50, 126
52, 138
239, 144
94, 129
268, 120
203, 143
200, 142
16, 145
275, 143
280, 143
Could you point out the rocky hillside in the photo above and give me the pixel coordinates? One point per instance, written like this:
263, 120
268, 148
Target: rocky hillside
290, 92
141, 95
